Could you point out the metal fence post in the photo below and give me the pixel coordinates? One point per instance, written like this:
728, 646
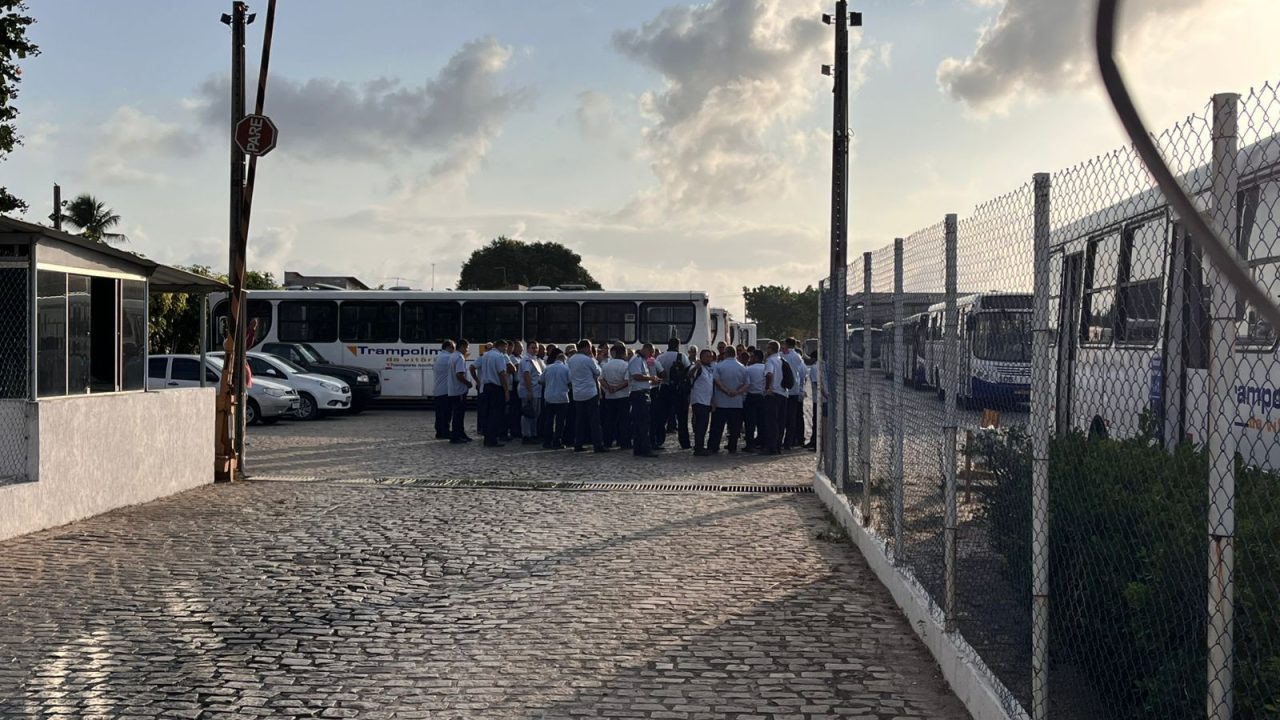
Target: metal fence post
899, 542
1221, 442
950, 383
32, 320
864, 427
1042, 398
842, 351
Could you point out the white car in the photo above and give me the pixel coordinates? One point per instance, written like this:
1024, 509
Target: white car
316, 393
267, 401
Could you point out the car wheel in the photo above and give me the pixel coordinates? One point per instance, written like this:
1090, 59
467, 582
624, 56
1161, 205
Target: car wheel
307, 408
252, 415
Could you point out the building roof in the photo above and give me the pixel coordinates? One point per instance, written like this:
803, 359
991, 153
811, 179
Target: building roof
161, 278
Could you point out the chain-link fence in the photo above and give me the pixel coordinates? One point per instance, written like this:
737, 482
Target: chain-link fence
15, 386
1069, 426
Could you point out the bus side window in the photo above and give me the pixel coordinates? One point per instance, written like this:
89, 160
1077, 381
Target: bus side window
1259, 244
1098, 311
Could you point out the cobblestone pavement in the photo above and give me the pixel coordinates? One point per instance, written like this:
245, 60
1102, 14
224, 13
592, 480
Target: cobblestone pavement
401, 443
280, 599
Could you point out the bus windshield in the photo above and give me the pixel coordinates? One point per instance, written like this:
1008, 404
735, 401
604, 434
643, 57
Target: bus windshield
1002, 335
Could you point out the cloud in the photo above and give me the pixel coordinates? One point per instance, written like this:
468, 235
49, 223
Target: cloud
736, 72
129, 140
1039, 47
455, 115
596, 117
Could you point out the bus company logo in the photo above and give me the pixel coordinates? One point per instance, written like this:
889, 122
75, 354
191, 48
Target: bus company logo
400, 351
1263, 397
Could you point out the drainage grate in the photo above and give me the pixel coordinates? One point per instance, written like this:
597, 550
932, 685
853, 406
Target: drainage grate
514, 484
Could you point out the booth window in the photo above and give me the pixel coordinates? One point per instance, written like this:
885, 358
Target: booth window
13, 330
51, 333
133, 334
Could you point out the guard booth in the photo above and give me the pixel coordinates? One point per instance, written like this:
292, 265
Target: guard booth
79, 433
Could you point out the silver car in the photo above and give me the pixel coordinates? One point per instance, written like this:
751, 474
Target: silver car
316, 393
267, 401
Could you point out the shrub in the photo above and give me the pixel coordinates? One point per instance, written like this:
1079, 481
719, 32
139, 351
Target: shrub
1128, 575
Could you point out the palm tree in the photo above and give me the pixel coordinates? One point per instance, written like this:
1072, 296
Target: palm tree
93, 218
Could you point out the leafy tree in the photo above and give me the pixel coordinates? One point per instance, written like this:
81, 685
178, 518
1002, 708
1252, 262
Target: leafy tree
781, 312
175, 317
14, 46
260, 280
93, 218
506, 262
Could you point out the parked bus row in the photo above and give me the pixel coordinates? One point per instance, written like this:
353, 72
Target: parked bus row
396, 334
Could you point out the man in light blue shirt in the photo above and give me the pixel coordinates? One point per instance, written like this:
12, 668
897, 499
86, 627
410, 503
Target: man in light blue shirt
701, 391
459, 384
731, 389
555, 400
440, 391
584, 378
529, 390
644, 378
495, 394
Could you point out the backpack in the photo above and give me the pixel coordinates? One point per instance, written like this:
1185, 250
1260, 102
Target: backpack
679, 373
788, 376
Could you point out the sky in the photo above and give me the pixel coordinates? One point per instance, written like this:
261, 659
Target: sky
674, 145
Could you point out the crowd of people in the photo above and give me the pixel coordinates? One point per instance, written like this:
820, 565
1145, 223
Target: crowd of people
610, 396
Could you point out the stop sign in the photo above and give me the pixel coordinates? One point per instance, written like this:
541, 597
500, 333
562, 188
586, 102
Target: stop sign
256, 135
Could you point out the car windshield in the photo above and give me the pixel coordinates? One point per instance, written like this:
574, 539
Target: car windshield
1002, 335
310, 355
291, 367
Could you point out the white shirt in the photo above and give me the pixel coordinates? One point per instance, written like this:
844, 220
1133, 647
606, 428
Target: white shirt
458, 365
773, 366
669, 359
797, 369
583, 371
614, 372
440, 372
701, 392
534, 366
755, 379
732, 375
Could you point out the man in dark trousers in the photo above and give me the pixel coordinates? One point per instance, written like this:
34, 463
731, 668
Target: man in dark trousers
584, 381
775, 401
643, 382
459, 385
440, 394
731, 389
495, 393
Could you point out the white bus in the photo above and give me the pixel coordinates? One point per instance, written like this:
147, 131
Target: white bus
397, 333
743, 333
995, 349
1131, 307
915, 337
720, 330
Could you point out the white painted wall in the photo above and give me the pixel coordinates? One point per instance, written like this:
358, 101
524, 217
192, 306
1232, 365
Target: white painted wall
92, 453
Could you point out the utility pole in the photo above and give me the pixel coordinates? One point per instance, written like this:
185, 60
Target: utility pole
231, 389
842, 20
56, 217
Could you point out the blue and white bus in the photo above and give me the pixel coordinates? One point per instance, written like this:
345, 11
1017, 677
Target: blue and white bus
397, 333
995, 350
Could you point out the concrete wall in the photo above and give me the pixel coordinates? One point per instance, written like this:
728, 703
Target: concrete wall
91, 454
